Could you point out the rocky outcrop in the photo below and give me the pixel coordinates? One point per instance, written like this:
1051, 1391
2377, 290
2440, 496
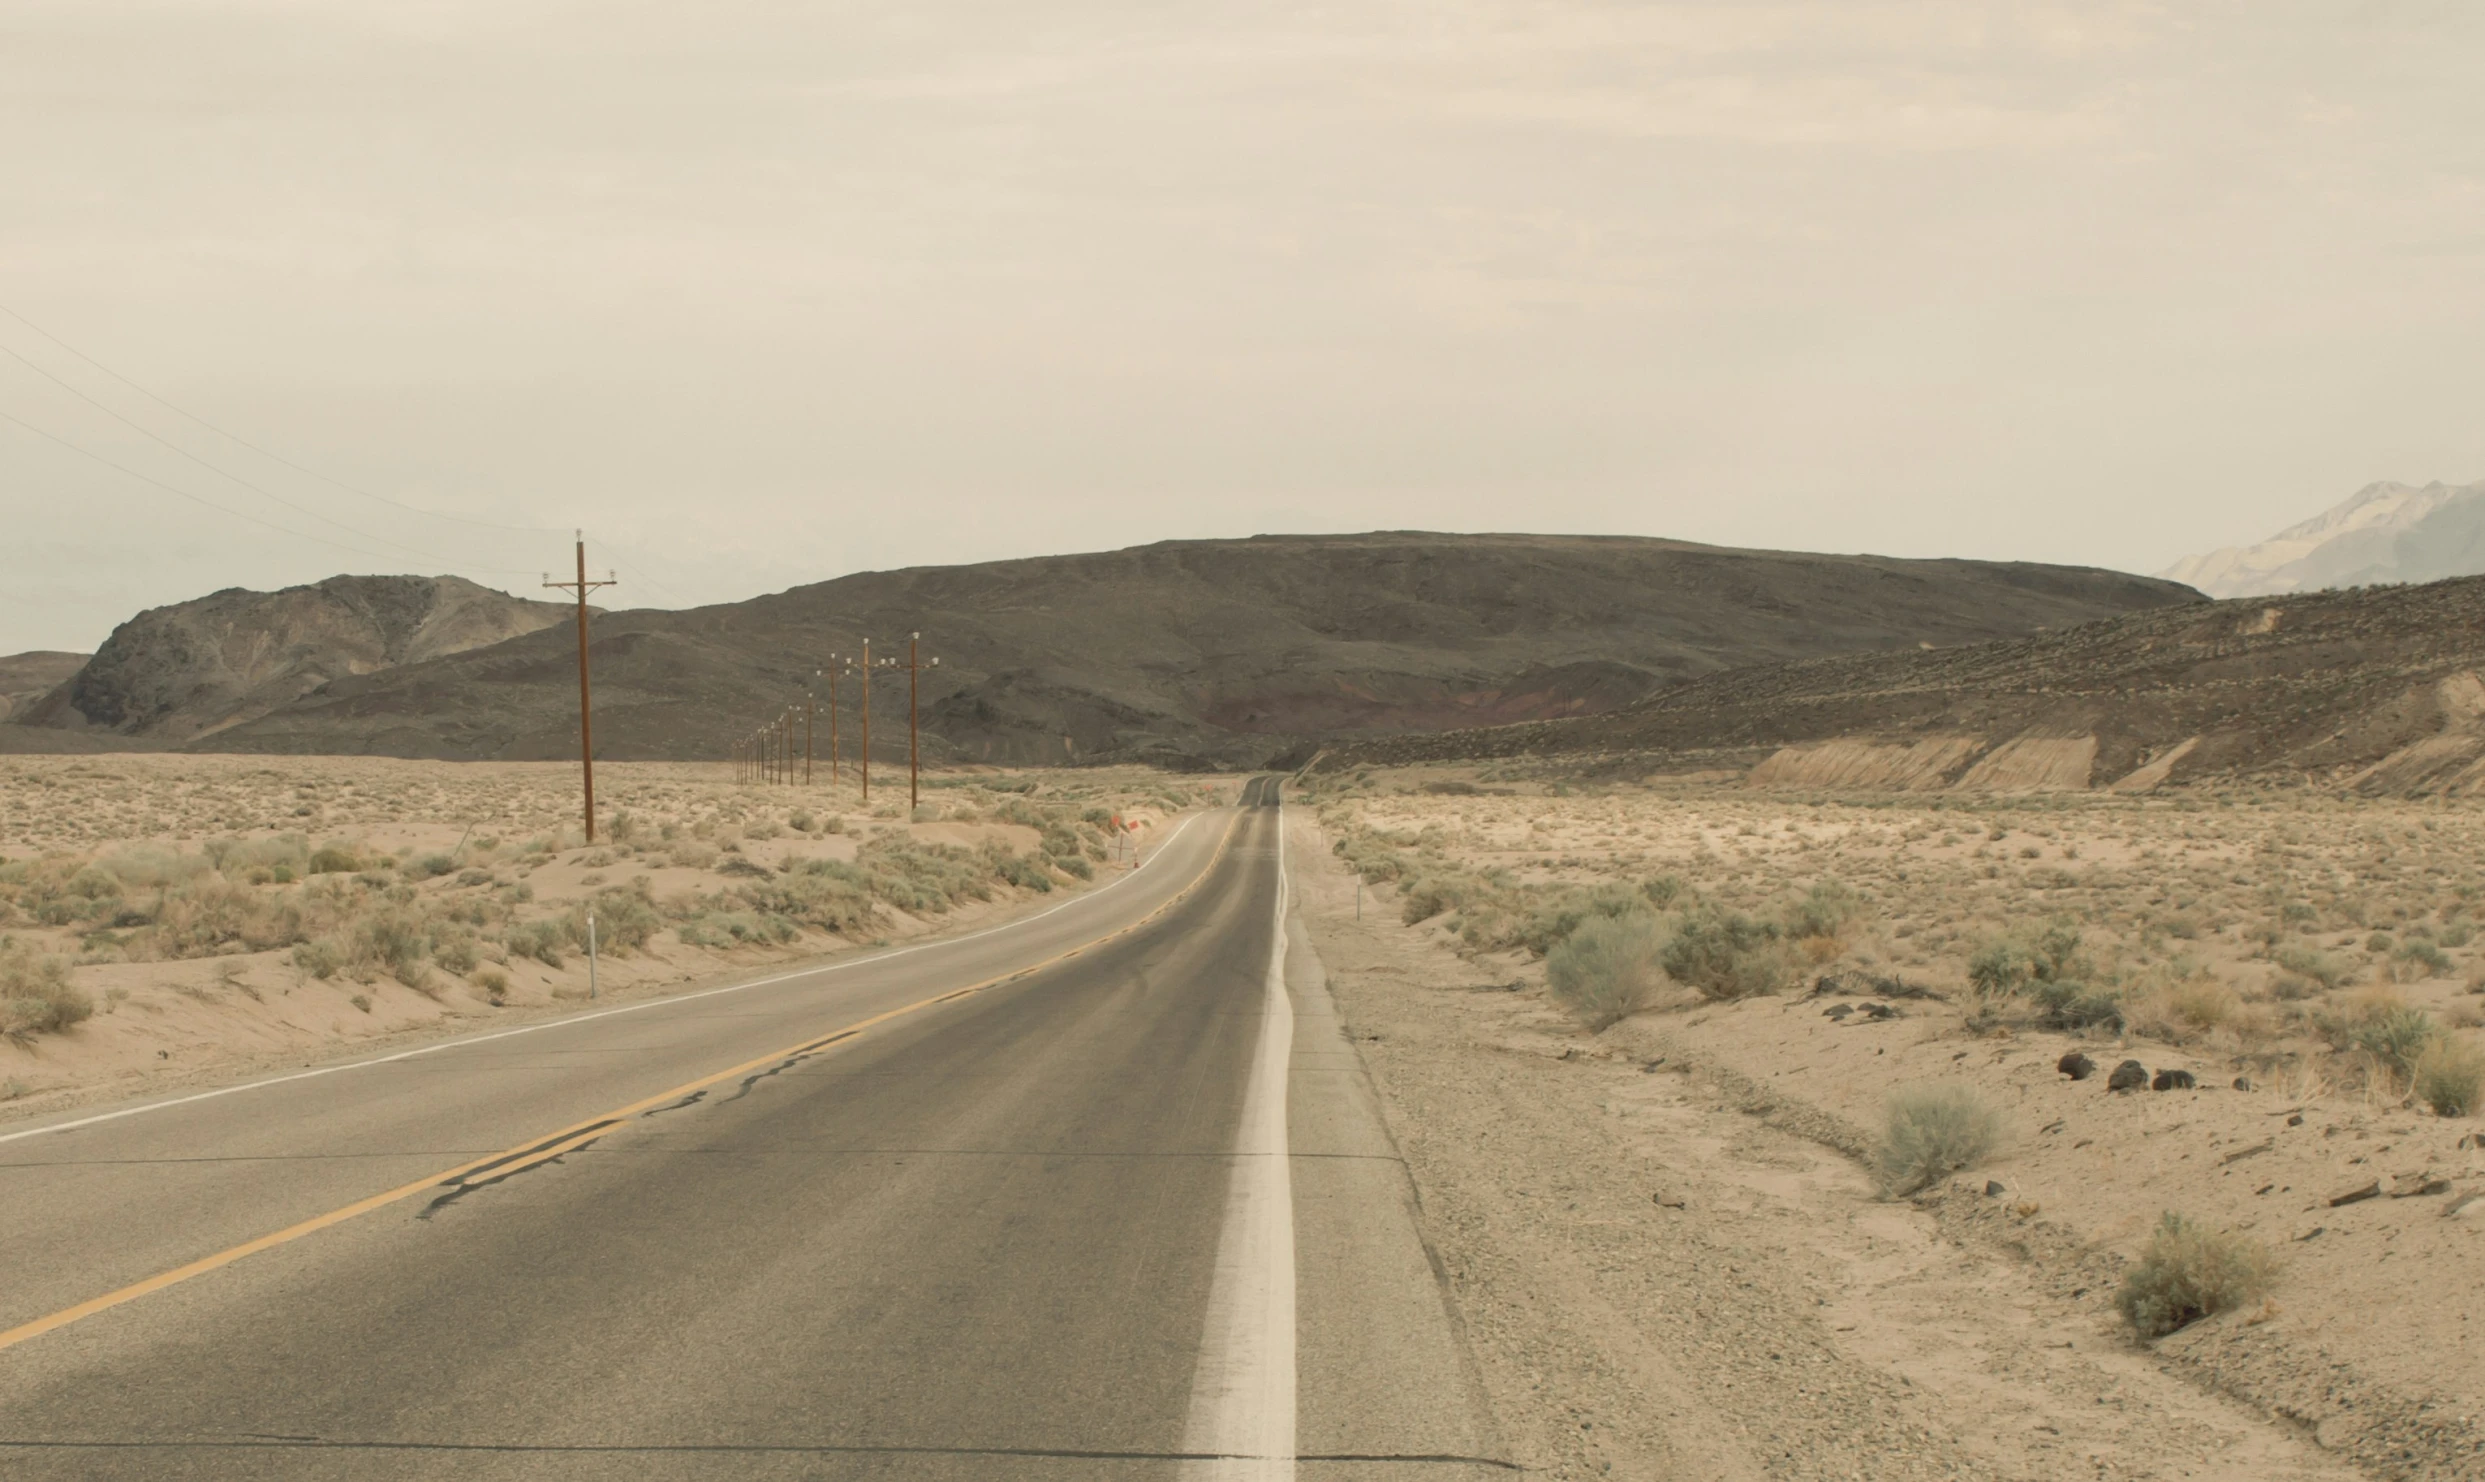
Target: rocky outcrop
191, 670
28, 677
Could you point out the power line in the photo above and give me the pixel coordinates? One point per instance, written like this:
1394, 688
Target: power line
254, 447
150, 432
219, 508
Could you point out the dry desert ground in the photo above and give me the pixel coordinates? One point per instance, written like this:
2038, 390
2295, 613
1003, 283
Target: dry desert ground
177, 915
1743, 1136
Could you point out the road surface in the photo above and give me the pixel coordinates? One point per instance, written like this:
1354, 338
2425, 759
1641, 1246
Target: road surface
1121, 1209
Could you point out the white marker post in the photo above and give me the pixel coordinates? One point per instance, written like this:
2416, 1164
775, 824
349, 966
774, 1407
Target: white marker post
590, 952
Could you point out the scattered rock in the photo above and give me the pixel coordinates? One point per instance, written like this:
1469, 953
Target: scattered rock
2076, 1065
1837, 1011
2417, 1185
2296, 1120
2357, 1195
2465, 1206
1878, 1010
2253, 1151
1668, 1201
2243, 1083
1994, 1189
2174, 1080
2131, 1075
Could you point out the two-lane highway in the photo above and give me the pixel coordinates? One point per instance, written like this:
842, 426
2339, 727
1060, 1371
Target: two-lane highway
1098, 1194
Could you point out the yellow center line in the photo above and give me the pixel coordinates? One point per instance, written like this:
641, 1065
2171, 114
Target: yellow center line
552, 1145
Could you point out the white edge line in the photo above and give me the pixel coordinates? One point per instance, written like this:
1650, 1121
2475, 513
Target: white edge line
462, 1041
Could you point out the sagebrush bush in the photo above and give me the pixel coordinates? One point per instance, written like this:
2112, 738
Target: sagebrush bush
2449, 1076
2190, 1272
1826, 910
1728, 955
1931, 1132
36, 996
1608, 968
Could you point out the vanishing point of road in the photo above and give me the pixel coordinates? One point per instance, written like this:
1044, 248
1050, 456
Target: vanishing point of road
1101, 1193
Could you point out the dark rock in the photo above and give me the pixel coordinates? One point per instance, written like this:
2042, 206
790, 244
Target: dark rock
2076, 1065
2357, 1195
2173, 1080
1994, 1189
2131, 1075
2243, 1083
1837, 1011
1879, 1011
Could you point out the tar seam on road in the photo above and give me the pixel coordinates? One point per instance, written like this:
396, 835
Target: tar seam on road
1242, 1414
755, 1448
463, 1041
569, 1139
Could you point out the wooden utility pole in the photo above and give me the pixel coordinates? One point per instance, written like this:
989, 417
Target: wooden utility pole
914, 680
866, 722
808, 706
586, 707
830, 673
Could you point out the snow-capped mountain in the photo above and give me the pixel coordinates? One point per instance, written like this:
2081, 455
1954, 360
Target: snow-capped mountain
2386, 533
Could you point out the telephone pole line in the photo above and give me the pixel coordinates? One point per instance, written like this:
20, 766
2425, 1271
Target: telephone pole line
866, 722
586, 707
914, 679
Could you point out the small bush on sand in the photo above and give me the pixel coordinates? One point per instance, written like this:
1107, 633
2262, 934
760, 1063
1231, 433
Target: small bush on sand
36, 996
1826, 910
2183, 1010
2189, 1272
2312, 964
1933, 1132
2397, 1038
321, 957
1728, 955
1607, 969
2449, 1076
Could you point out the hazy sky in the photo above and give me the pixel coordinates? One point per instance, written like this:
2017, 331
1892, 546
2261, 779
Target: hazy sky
763, 293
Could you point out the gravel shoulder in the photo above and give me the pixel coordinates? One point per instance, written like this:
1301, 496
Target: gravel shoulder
1671, 1269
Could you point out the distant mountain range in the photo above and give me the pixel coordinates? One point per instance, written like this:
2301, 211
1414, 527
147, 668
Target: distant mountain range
1184, 653
2386, 533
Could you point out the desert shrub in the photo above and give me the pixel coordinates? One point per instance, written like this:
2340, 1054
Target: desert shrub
2182, 1010
734, 928
926, 813
212, 913
836, 824
321, 957
801, 821
36, 996
152, 866
494, 983
432, 867
1826, 910
335, 859
1665, 890
624, 826
2000, 968
1931, 1132
2314, 965
2449, 1076
921, 879
2418, 960
2396, 1037
691, 854
821, 893
2076, 1006
1607, 969
541, 940
1075, 866
1422, 899
2189, 1272
624, 920
1727, 955
457, 953
397, 940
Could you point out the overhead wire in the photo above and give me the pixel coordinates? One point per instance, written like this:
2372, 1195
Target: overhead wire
198, 499
266, 452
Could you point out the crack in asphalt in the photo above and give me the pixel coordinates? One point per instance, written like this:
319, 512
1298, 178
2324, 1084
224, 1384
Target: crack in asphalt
798, 1055
511, 1164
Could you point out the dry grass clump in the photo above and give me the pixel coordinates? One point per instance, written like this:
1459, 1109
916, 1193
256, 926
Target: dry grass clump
1607, 969
2183, 1009
36, 996
2190, 1272
1932, 1132
2449, 1076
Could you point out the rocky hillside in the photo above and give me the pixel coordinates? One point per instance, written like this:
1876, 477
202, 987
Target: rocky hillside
1202, 653
2386, 533
195, 669
2376, 690
28, 677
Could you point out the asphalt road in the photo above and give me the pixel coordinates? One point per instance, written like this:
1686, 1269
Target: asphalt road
1125, 1210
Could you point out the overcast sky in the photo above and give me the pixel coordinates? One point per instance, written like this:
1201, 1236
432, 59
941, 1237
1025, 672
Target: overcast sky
764, 293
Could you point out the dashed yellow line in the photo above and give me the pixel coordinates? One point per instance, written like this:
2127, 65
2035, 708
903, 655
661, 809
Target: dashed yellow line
569, 1139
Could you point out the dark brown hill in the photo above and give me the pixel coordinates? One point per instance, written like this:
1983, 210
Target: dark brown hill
175, 674
1203, 653
2377, 689
28, 677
